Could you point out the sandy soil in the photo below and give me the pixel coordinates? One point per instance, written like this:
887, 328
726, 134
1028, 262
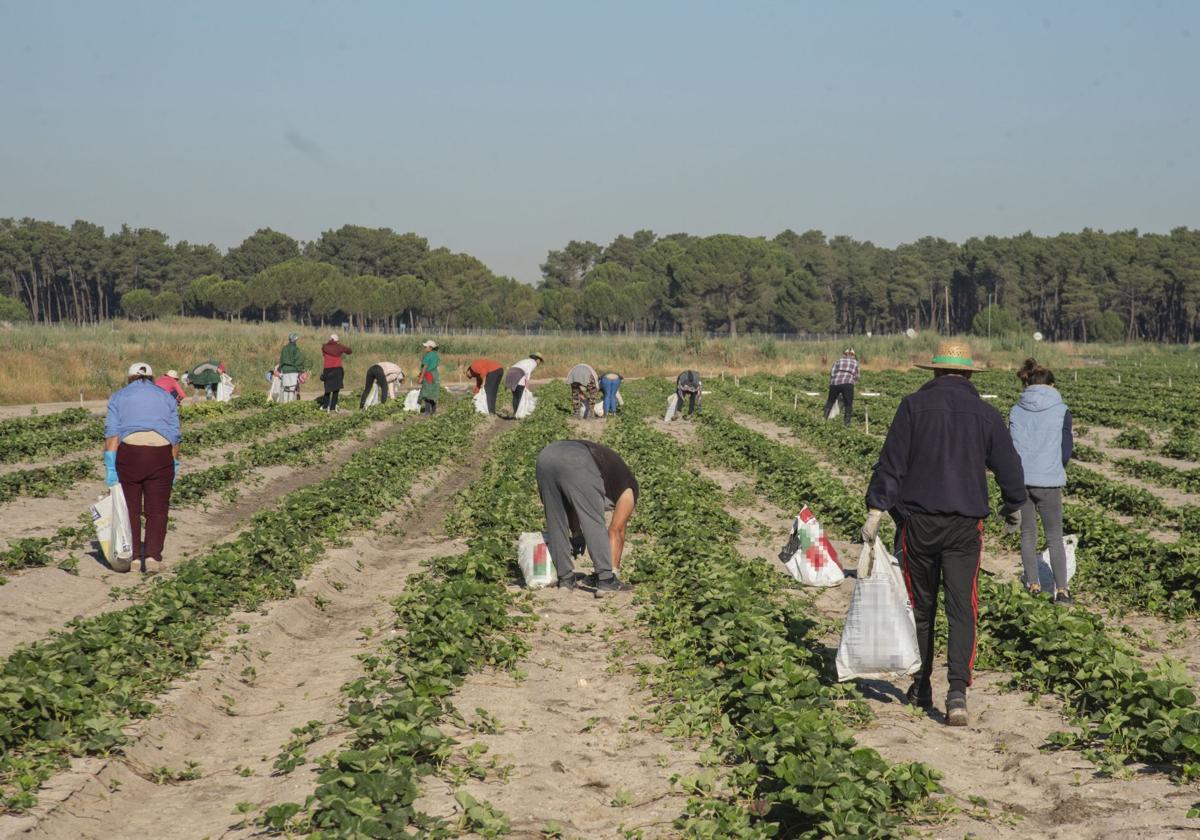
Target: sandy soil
1019, 790
36, 601
233, 722
1101, 438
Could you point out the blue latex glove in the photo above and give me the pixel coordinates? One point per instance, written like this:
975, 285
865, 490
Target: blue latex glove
176, 475
110, 468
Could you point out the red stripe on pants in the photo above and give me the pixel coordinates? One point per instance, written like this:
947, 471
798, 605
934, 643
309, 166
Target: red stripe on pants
146, 474
975, 609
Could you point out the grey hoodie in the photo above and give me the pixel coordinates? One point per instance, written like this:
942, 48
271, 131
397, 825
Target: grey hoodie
1040, 424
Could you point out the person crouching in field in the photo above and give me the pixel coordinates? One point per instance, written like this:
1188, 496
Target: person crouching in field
585, 389
332, 372
842, 379
518, 377
577, 481
169, 382
610, 386
688, 384
487, 375
933, 470
1040, 424
388, 376
141, 453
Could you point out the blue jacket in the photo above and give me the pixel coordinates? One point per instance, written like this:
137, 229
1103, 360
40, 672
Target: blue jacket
142, 407
1040, 424
942, 441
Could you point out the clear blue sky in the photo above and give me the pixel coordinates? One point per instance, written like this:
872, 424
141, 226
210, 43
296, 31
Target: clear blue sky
506, 129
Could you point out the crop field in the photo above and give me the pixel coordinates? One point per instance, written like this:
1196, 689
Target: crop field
336, 643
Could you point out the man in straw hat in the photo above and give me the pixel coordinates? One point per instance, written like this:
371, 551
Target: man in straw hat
932, 471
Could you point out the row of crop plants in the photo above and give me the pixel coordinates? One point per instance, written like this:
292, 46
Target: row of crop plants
1124, 710
73, 693
455, 617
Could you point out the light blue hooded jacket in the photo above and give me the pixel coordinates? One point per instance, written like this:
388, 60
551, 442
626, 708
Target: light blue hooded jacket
1040, 424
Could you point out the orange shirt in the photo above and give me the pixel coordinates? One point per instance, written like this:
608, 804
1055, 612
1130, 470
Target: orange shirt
479, 370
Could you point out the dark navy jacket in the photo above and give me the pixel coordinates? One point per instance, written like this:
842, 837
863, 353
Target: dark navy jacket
941, 443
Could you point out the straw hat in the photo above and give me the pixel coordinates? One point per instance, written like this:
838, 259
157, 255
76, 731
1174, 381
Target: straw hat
174, 374
140, 369
952, 355
537, 356
430, 343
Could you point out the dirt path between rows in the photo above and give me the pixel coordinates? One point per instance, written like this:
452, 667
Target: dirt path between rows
575, 725
233, 721
1101, 437
36, 601
1020, 791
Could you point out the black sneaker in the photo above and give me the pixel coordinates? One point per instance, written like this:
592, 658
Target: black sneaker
613, 584
1063, 598
566, 582
920, 694
956, 708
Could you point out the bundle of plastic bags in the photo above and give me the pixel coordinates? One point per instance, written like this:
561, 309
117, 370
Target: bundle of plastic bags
879, 638
412, 400
533, 556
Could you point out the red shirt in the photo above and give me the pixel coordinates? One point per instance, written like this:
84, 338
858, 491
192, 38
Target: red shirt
479, 370
172, 387
333, 352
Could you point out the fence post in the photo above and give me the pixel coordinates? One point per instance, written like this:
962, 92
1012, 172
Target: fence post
771, 393
795, 401
867, 419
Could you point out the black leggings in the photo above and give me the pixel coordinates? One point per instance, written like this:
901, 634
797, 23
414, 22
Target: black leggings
846, 392
491, 387
517, 392
375, 376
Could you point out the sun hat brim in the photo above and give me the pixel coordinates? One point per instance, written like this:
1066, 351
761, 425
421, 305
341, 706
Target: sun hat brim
950, 363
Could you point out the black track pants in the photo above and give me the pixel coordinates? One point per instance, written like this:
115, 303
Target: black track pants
944, 550
491, 386
846, 393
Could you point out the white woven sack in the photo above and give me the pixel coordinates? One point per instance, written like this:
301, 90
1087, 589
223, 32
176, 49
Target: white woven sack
1046, 571
110, 516
672, 405
372, 396
225, 388
276, 390
480, 402
412, 400
527, 404
834, 410
879, 638
533, 556
598, 409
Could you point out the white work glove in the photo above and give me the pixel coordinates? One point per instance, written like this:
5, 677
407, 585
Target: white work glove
871, 527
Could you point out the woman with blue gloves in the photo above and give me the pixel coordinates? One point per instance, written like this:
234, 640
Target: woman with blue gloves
141, 452
610, 384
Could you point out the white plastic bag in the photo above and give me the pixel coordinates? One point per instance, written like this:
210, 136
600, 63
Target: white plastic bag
834, 410
672, 405
275, 393
225, 388
879, 638
372, 396
527, 404
533, 556
412, 400
598, 409
1046, 571
810, 558
114, 531
480, 402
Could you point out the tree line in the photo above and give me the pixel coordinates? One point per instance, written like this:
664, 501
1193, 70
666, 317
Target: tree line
1085, 286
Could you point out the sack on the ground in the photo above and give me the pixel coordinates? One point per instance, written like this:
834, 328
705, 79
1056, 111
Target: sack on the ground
372, 396
533, 556
527, 404
225, 388
808, 556
598, 409
480, 402
879, 638
672, 405
412, 400
114, 531
1046, 571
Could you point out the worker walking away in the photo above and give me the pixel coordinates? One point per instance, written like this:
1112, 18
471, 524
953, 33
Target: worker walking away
487, 375
169, 382
332, 372
688, 384
933, 470
841, 385
207, 376
141, 453
585, 389
610, 387
388, 376
578, 480
518, 377
291, 364
430, 377
1040, 424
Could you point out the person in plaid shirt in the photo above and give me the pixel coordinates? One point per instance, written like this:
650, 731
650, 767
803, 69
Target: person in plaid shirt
841, 384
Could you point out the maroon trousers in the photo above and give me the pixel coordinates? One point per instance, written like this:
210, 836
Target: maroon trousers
146, 474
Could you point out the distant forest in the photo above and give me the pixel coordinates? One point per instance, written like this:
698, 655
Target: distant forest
1084, 286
